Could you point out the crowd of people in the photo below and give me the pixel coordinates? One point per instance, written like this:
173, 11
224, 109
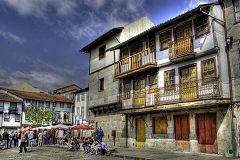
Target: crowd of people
24, 139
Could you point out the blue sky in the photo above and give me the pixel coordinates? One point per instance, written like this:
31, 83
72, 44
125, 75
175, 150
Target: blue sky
40, 39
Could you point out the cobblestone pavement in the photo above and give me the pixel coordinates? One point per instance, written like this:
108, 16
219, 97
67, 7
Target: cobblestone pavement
49, 153
56, 153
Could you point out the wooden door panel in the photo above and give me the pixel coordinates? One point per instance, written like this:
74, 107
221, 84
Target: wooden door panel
188, 83
207, 133
140, 132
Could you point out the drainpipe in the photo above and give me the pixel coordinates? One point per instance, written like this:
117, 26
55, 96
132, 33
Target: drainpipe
126, 119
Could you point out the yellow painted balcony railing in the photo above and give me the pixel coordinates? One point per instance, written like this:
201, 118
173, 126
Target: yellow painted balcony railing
192, 90
181, 48
135, 61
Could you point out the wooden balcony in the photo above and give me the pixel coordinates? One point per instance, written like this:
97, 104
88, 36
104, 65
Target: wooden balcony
136, 63
181, 50
190, 91
187, 92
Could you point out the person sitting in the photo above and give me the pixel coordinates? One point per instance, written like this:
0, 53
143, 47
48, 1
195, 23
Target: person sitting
103, 148
95, 146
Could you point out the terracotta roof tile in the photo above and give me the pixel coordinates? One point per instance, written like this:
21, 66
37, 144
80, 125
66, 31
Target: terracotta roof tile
7, 98
40, 96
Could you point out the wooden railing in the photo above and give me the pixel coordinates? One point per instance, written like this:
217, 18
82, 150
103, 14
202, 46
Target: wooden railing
181, 48
139, 98
135, 61
194, 90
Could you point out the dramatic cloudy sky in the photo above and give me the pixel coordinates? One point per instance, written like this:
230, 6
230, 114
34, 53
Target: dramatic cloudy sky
40, 39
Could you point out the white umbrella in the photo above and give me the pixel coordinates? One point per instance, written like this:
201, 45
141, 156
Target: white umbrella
61, 126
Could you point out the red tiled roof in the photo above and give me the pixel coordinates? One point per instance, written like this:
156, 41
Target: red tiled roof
40, 96
7, 98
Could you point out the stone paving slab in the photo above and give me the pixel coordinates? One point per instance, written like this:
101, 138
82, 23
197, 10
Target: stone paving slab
153, 154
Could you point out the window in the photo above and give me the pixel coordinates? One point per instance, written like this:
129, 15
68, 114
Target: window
169, 80
201, 25
1, 106
17, 117
68, 105
82, 97
126, 89
102, 51
181, 125
54, 104
47, 104
159, 125
237, 10
13, 107
152, 83
165, 38
78, 111
208, 70
82, 112
61, 105
6, 117
101, 84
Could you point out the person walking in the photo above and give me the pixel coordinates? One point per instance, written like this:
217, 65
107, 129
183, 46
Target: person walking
5, 138
23, 144
40, 138
15, 139
11, 134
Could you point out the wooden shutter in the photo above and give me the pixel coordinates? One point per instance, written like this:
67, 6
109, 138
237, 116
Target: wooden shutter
201, 129
185, 127
177, 124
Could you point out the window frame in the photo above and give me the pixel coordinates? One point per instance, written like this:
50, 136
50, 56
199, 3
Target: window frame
102, 52
171, 87
236, 12
69, 105
101, 84
16, 118
164, 34
196, 21
47, 104
1, 106
82, 97
4, 118
61, 105
154, 131
126, 92
153, 86
202, 70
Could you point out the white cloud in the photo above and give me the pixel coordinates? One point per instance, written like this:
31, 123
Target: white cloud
190, 4
105, 15
40, 8
12, 37
86, 18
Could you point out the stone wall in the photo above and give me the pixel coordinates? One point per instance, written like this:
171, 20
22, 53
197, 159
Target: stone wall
167, 141
109, 123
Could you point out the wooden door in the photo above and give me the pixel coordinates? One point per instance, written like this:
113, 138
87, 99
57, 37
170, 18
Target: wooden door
181, 127
188, 85
139, 93
207, 133
140, 132
182, 34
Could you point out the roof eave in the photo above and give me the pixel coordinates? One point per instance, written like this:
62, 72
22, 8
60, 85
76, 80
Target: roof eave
86, 49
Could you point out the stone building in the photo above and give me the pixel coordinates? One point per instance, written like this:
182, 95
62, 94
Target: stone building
232, 30
103, 87
175, 84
